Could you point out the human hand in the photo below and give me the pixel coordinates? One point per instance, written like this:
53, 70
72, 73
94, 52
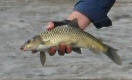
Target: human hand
83, 22
62, 49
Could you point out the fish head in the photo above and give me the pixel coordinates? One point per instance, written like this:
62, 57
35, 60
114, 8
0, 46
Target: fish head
31, 44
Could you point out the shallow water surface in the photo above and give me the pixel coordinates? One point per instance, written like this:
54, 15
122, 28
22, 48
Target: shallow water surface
22, 19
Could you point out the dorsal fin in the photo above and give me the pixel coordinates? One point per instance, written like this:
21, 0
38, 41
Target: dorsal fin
59, 23
71, 23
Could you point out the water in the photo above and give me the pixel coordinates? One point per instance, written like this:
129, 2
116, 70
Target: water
22, 19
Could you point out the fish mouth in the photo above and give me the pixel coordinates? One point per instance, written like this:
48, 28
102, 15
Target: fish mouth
22, 48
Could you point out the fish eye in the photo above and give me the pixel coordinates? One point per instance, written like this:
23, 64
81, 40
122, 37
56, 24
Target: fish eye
28, 41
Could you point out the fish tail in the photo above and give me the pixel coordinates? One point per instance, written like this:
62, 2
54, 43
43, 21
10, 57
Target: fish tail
111, 53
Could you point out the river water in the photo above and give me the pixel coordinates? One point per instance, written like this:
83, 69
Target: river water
22, 19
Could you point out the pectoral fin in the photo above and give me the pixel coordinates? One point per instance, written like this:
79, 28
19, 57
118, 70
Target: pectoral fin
42, 57
77, 50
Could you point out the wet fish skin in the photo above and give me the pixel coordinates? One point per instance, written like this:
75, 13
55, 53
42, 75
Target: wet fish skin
71, 35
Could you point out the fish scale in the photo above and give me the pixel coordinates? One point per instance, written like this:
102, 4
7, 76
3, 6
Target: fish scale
63, 33
70, 35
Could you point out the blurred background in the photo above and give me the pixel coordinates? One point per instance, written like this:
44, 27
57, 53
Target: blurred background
22, 19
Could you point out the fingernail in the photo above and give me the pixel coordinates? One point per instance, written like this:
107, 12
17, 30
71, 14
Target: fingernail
68, 49
62, 49
52, 51
61, 53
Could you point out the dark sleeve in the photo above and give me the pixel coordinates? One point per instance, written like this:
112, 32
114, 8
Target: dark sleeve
96, 11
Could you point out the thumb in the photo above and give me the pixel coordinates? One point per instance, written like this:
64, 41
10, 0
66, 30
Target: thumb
50, 25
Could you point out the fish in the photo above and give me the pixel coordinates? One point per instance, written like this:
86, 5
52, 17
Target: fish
68, 32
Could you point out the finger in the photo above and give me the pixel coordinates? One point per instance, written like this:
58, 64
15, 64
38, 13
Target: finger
52, 51
50, 25
61, 50
68, 49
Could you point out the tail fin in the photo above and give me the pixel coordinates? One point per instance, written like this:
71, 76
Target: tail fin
111, 53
